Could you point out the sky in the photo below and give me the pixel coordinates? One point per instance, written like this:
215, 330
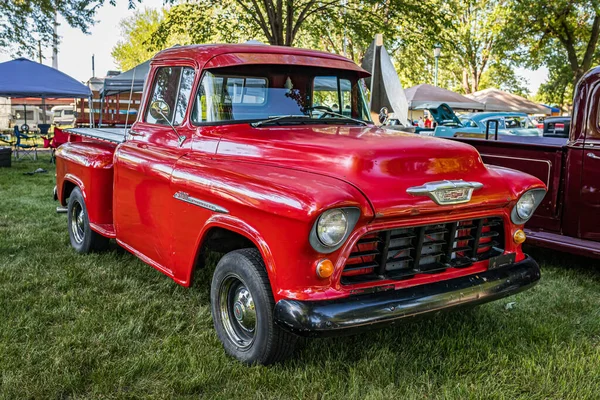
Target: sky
76, 48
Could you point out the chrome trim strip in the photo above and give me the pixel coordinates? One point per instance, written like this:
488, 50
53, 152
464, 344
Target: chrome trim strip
432, 189
183, 196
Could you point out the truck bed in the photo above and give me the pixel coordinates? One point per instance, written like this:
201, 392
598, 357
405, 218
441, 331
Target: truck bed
112, 135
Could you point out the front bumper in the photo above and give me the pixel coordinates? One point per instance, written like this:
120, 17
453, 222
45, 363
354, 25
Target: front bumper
361, 312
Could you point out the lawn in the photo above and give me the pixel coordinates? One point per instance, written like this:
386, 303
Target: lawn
108, 326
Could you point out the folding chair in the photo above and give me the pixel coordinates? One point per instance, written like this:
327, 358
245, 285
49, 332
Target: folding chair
56, 140
28, 149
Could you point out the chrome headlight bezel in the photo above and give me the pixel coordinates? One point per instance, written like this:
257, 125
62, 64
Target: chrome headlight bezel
537, 195
351, 214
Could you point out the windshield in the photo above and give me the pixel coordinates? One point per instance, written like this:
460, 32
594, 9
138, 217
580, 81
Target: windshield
518, 122
252, 93
468, 123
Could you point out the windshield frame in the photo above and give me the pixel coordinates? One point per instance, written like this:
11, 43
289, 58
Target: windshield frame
339, 73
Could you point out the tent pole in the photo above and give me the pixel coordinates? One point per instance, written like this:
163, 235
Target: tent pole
44, 110
91, 110
101, 110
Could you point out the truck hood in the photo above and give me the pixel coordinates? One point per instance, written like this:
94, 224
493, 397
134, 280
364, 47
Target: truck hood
382, 164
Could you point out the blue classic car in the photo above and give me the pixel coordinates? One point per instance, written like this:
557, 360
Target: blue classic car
474, 125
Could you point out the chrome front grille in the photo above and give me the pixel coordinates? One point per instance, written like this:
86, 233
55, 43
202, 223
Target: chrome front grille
403, 253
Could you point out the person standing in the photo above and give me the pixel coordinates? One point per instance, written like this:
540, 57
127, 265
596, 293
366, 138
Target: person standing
427, 122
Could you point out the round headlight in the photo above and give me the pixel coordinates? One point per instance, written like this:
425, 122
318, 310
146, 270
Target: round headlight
526, 205
332, 227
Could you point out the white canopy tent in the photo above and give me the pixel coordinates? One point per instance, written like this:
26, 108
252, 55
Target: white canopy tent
429, 96
498, 100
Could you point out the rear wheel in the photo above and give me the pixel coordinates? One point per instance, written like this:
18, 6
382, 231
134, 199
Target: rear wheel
83, 238
242, 309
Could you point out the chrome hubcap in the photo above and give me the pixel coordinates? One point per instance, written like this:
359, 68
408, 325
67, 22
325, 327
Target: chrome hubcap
77, 222
237, 311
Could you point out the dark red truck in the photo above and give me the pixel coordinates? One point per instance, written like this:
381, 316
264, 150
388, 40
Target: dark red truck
568, 219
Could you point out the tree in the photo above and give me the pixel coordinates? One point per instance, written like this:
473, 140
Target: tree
285, 22
24, 22
136, 31
573, 25
349, 29
558, 89
204, 21
502, 76
478, 39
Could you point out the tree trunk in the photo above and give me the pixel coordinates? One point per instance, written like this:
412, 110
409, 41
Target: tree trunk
465, 81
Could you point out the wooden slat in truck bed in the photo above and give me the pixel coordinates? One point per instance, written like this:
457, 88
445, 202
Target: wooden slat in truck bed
113, 135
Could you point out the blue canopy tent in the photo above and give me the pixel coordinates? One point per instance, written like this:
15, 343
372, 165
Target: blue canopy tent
25, 78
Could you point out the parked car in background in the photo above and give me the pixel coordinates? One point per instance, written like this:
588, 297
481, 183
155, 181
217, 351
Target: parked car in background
557, 127
63, 116
442, 115
325, 223
474, 125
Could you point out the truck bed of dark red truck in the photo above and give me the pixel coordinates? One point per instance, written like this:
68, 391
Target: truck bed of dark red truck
568, 219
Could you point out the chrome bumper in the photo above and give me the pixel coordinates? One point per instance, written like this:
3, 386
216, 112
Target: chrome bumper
361, 312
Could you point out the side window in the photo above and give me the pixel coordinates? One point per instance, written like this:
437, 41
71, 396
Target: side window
346, 96
173, 86
185, 89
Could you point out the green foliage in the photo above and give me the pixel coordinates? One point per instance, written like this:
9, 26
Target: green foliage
136, 31
571, 25
502, 76
558, 89
107, 326
475, 35
24, 22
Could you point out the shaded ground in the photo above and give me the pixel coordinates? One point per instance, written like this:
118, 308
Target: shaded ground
108, 326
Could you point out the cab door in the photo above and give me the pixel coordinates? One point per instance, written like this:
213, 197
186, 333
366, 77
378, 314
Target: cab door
589, 213
144, 165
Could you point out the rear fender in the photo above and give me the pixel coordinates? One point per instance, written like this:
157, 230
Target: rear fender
89, 166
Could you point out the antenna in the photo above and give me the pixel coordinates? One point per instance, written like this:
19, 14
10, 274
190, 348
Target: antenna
93, 66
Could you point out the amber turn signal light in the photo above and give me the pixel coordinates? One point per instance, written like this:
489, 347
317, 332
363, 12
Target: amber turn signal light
324, 268
519, 236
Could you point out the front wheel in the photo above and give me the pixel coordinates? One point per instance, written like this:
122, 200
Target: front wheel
83, 238
242, 309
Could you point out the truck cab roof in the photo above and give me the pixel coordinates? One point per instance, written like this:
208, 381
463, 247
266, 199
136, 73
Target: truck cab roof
225, 55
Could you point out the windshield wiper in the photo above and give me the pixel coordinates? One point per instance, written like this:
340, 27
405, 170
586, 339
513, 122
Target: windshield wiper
358, 121
278, 118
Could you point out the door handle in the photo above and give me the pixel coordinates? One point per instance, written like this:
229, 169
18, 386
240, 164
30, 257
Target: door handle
592, 155
135, 133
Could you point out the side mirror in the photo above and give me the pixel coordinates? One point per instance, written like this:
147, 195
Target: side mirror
160, 110
383, 115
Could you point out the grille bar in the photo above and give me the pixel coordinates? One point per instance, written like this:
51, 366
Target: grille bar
403, 253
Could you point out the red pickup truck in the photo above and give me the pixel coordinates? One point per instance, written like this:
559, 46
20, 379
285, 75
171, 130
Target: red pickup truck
568, 218
326, 224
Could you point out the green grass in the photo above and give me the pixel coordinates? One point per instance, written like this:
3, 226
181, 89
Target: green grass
108, 326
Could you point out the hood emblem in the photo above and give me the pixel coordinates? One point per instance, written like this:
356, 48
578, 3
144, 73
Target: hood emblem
446, 192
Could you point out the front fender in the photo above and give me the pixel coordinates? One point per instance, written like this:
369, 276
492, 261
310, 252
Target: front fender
273, 207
